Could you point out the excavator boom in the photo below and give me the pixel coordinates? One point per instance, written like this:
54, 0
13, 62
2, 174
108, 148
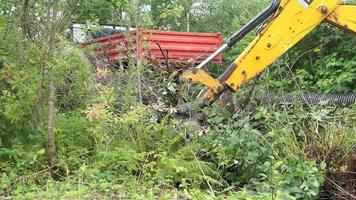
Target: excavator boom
285, 23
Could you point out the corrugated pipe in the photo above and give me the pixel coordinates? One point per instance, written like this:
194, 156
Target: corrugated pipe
313, 99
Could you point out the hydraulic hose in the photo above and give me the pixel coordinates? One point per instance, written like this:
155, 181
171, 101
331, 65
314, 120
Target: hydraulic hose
261, 17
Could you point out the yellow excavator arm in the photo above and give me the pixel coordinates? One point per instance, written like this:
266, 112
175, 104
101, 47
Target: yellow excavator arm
285, 23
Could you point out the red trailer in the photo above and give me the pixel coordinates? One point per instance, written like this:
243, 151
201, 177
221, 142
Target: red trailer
179, 47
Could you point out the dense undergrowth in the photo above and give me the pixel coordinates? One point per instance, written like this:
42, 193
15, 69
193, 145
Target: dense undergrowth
118, 135
112, 146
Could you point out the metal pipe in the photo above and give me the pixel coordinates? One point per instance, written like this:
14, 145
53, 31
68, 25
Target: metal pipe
213, 56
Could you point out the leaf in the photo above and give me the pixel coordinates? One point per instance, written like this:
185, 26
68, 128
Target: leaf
323, 166
316, 184
312, 192
41, 152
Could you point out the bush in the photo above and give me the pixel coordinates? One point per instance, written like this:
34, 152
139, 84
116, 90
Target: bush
287, 149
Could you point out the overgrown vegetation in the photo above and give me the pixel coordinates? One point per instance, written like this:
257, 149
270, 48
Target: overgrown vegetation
70, 129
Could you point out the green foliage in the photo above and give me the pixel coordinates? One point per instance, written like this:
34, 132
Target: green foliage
112, 144
119, 161
123, 12
248, 195
92, 10
274, 149
169, 161
322, 62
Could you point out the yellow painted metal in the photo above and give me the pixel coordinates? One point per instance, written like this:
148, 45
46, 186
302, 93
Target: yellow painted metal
200, 76
287, 29
344, 16
208, 96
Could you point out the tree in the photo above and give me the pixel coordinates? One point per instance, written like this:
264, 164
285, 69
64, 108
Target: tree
41, 23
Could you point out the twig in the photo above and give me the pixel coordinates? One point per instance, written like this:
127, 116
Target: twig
202, 171
340, 188
164, 55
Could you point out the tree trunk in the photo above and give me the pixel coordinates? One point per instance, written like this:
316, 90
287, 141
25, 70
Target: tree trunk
139, 67
51, 119
55, 24
188, 21
25, 21
52, 19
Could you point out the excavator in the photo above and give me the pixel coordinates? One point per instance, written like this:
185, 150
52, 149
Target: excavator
282, 25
